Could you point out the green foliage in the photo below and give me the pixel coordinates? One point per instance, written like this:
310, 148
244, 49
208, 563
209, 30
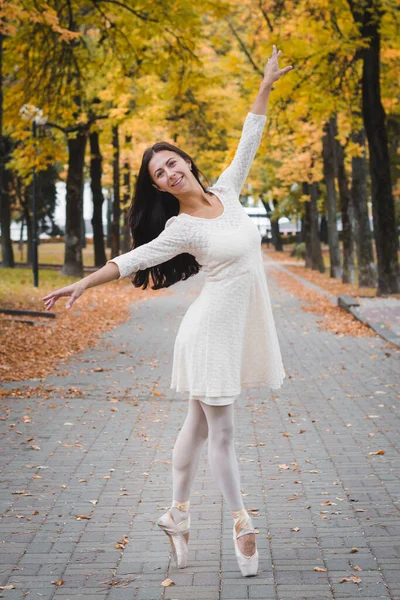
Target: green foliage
299, 251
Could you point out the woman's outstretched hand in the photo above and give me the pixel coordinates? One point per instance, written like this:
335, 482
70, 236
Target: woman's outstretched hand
110, 272
272, 72
74, 291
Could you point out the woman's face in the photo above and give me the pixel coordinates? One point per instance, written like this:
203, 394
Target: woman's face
171, 173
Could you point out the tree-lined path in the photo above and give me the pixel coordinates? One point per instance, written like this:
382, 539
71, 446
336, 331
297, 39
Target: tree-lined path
86, 464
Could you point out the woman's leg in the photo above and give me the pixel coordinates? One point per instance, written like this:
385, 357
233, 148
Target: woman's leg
186, 454
224, 464
221, 452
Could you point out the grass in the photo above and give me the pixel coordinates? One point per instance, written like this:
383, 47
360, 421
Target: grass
16, 287
52, 253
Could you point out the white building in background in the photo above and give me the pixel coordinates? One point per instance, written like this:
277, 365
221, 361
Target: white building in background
256, 211
59, 213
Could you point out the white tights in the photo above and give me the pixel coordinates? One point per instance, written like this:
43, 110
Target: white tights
216, 423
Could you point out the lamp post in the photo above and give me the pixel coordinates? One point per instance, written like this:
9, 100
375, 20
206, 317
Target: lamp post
35, 263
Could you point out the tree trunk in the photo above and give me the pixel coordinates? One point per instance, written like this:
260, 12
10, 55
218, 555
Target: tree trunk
323, 230
368, 16
5, 220
348, 275
109, 218
73, 264
275, 233
25, 202
364, 247
126, 233
98, 199
317, 262
328, 155
5, 209
115, 237
306, 226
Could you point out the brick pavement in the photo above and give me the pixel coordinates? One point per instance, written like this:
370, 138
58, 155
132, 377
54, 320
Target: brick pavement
106, 454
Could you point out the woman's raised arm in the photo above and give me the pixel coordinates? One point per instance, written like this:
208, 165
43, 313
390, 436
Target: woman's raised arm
272, 73
236, 173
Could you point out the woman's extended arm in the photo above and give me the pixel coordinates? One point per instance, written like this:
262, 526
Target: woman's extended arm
171, 242
236, 173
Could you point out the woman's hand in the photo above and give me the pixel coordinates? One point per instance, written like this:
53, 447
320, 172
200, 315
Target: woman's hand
74, 291
272, 72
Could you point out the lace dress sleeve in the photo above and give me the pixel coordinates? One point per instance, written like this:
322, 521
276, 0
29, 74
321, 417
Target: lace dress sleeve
236, 174
171, 242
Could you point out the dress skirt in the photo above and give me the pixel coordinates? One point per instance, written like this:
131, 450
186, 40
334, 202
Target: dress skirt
215, 401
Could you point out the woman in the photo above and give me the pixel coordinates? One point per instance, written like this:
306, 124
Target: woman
227, 339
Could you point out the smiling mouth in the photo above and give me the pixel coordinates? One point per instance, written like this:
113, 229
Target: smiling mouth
177, 182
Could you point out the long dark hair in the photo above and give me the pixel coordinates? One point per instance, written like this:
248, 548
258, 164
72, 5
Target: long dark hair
148, 213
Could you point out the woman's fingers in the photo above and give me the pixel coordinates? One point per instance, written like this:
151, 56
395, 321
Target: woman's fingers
286, 70
73, 299
58, 293
52, 298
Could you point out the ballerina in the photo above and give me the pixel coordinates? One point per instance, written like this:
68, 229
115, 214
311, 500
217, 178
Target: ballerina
227, 339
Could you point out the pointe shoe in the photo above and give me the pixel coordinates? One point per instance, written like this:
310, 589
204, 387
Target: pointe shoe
178, 535
243, 525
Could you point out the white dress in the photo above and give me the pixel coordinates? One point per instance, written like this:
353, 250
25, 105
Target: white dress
227, 339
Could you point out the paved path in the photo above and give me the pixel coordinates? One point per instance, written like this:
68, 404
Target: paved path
105, 439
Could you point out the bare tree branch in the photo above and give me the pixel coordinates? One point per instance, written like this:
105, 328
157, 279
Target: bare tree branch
244, 48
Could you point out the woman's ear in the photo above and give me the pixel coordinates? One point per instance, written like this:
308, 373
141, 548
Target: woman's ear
189, 164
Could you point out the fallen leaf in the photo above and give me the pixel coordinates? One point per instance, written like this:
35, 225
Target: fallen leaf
320, 569
352, 579
296, 529
377, 452
80, 517
353, 550
7, 587
167, 582
122, 543
58, 583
